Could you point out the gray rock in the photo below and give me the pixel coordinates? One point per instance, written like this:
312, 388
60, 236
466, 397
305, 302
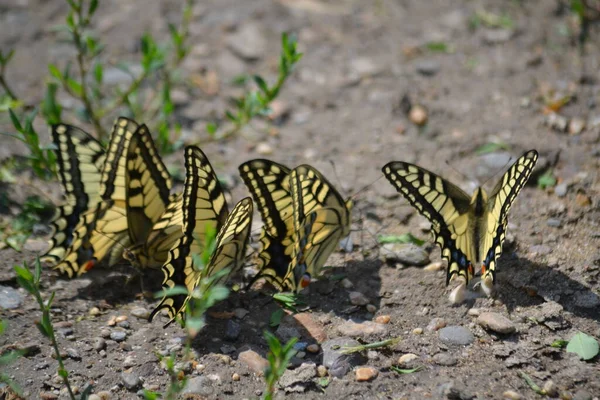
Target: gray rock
99, 344
405, 253
561, 189
454, 391
358, 299
496, 160
64, 332
10, 298
128, 362
199, 385
118, 336
124, 324
73, 353
248, 42
582, 394
587, 299
540, 249
435, 324
337, 363
285, 331
362, 329
232, 330
240, 313
140, 312
130, 381
227, 349
427, 67
554, 222
496, 322
445, 359
456, 335
497, 36
300, 376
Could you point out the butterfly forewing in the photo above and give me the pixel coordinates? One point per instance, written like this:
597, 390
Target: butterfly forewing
501, 199
80, 158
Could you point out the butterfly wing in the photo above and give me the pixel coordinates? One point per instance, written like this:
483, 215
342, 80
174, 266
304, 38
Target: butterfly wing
80, 158
321, 218
269, 185
446, 206
501, 199
101, 228
204, 207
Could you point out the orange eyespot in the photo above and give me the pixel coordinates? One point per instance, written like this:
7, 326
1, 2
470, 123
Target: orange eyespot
470, 269
305, 281
483, 269
89, 265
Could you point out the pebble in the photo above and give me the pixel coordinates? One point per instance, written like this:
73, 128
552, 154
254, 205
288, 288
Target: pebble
94, 311
364, 374
105, 333
248, 42
140, 312
285, 331
561, 189
104, 395
496, 322
512, 395
554, 222
240, 313
576, 126
418, 116
407, 359
130, 381
540, 250
550, 388
124, 324
48, 396
587, 299
434, 266
365, 67
417, 331
556, 122
112, 321
347, 283
582, 394
94, 396
445, 359
235, 377
371, 308
313, 327
313, 348
583, 200
366, 328
118, 336
301, 375
10, 298
300, 346
474, 312
456, 335
232, 330
200, 385
322, 371
405, 253
496, 36
264, 148
128, 362
72, 353
383, 319
358, 299
337, 363
427, 67
435, 324
254, 361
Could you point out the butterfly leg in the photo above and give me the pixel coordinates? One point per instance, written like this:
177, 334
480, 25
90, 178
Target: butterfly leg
487, 281
458, 294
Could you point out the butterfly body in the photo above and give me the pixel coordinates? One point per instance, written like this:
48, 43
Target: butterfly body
470, 230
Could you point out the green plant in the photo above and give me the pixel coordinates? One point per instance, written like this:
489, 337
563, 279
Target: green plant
7, 359
279, 357
401, 371
31, 283
404, 238
492, 147
546, 180
369, 346
257, 102
16, 232
8, 99
42, 158
490, 20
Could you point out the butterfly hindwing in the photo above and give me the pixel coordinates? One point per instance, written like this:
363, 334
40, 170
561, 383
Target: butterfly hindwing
79, 158
204, 207
321, 219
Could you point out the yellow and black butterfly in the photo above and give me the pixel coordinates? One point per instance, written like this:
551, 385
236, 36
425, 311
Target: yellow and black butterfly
321, 219
469, 230
204, 208
269, 185
304, 216
134, 193
80, 158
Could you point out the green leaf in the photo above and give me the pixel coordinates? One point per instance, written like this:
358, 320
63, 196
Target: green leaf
211, 128
439, 47
150, 395
406, 371
93, 6
405, 238
559, 344
51, 109
491, 148
63, 373
584, 346
15, 121
219, 293
75, 87
42, 329
98, 72
546, 180
275, 319
262, 85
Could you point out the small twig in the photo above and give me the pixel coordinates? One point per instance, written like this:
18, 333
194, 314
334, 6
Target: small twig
369, 346
5, 86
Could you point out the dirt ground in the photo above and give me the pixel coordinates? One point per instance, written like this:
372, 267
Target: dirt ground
363, 62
